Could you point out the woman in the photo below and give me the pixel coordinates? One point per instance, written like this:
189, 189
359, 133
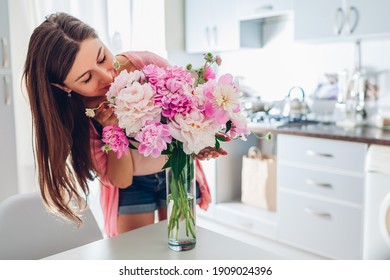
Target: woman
67, 70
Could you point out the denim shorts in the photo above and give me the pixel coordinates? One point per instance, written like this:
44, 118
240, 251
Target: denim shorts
146, 194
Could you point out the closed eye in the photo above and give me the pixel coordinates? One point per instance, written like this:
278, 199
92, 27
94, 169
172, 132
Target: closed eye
103, 60
87, 80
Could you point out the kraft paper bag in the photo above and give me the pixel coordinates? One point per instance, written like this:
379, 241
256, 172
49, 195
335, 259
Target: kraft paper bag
258, 180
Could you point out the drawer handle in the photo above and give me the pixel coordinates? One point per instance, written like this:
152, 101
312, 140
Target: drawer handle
313, 183
246, 225
316, 154
318, 213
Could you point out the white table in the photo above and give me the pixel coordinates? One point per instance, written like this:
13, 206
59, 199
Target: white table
150, 243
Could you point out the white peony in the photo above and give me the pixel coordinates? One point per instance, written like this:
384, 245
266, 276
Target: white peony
194, 131
134, 106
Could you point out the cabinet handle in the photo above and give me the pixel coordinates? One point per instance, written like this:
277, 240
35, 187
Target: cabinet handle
264, 8
317, 184
4, 45
208, 37
338, 21
324, 215
7, 97
215, 35
351, 27
375, 171
313, 154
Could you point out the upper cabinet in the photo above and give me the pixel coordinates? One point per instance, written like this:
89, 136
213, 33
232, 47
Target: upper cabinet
211, 25
341, 19
222, 25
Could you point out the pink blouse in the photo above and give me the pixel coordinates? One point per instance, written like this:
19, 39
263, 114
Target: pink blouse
142, 165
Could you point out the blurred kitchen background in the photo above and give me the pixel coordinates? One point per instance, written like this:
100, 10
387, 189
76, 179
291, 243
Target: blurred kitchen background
333, 54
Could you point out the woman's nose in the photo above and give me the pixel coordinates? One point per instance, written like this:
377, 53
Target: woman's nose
107, 75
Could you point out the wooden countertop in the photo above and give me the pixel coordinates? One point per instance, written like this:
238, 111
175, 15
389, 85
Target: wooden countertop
362, 134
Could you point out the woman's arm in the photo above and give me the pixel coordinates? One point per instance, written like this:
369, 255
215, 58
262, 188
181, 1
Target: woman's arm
119, 171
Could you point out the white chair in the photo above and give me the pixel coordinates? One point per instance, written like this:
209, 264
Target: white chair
29, 231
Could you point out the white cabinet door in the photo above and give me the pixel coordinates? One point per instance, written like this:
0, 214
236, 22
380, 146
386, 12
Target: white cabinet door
321, 19
4, 36
8, 167
226, 25
372, 17
197, 26
341, 19
211, 25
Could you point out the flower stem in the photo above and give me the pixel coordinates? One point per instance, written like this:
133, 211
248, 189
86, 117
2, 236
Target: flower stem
180, 201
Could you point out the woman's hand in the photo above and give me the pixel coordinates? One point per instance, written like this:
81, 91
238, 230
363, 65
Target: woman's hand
212, 152
105, 116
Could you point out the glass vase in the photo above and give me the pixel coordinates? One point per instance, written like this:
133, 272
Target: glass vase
181, 205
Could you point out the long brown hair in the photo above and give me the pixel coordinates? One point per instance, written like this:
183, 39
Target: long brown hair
61, 129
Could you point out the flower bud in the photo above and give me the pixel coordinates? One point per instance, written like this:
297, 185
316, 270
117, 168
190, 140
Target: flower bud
218, 60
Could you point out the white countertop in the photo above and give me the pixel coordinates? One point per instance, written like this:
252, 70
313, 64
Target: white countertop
150, 243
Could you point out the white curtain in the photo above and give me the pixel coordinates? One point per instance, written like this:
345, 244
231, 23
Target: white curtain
24, 16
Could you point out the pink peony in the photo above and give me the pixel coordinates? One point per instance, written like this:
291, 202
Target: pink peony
153, 138
239, 127
222, 99
115, 140
173, 104
209, 74
155, 75
168, 81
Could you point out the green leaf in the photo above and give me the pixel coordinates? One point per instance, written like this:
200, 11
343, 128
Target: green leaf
220, 138
228, 126
178, 162
217, 145
168, 163
131, 146
166, 152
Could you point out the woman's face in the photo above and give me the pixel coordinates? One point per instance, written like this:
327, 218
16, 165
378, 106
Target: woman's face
92, 71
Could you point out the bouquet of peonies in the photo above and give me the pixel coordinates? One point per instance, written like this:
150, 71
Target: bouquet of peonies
174, 111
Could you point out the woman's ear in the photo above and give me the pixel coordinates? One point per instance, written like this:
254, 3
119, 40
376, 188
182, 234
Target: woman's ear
64, 88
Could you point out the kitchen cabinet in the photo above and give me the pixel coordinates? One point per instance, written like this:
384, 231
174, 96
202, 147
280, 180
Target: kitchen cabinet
226, 208
8, 166
211, 25
320, 195
341, 19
